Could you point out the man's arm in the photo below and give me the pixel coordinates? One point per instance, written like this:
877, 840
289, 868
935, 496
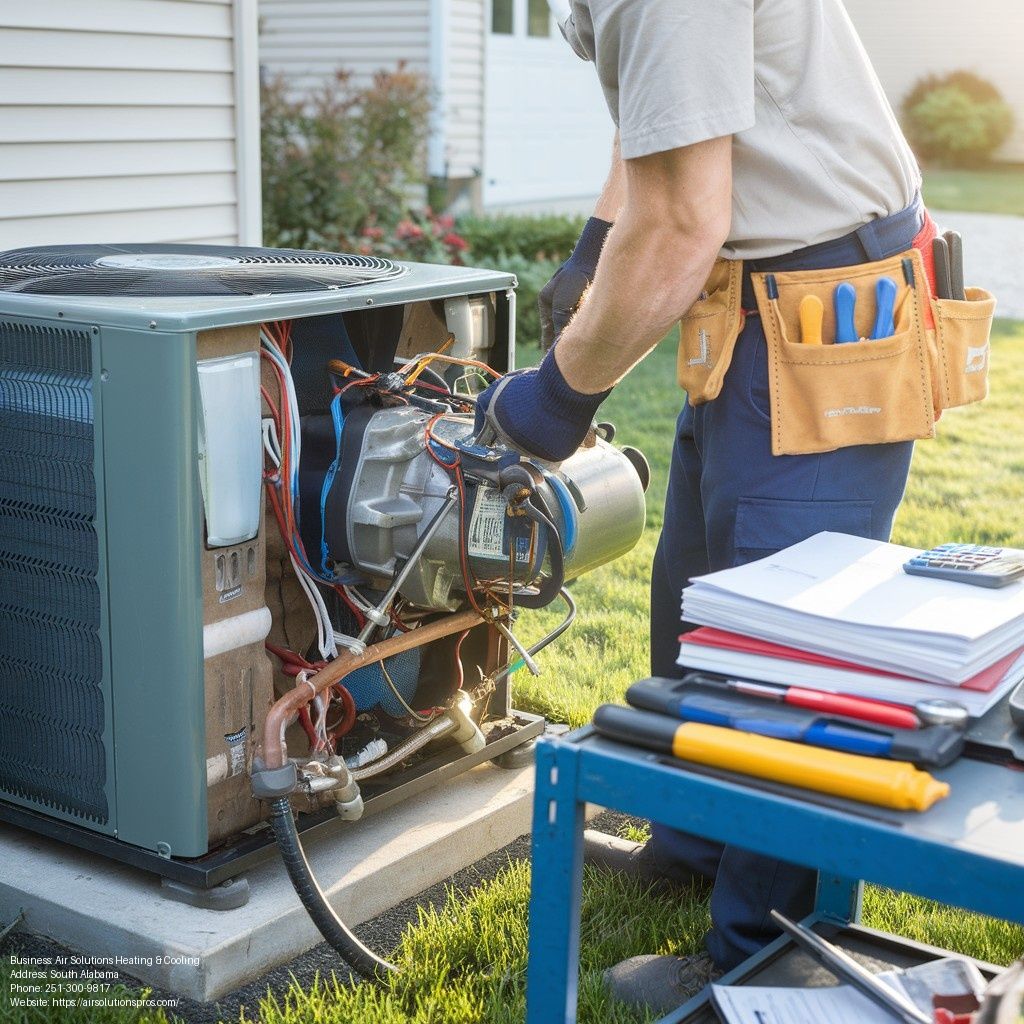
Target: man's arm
613, 195
674, 221
560, 297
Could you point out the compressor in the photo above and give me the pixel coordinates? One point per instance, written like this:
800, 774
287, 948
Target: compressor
420, 531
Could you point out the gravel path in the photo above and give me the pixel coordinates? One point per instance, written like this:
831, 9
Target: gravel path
993, 255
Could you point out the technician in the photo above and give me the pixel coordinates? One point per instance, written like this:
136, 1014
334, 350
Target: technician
753, 130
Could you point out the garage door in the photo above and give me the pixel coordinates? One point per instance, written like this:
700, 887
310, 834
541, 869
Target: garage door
547, 133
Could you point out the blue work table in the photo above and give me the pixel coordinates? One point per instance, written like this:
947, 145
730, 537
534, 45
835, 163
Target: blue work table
967, 850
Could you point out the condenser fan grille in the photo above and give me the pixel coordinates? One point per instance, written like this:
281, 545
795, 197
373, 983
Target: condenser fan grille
184, 270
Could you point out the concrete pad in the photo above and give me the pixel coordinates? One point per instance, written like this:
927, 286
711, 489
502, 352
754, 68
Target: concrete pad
104, 909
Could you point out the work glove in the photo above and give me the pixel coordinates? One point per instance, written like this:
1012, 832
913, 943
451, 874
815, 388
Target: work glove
536, 412
559, 298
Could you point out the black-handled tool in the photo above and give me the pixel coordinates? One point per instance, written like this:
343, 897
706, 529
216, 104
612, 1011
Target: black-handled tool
955, 244
940, 252
933, 746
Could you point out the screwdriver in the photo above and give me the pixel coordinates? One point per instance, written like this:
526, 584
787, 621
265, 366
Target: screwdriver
885, 302
862, 708
812, 311
844, 299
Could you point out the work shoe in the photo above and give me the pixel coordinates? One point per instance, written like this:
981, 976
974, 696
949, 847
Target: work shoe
660, 983
638, 860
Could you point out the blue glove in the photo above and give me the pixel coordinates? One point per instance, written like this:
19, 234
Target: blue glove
537, 412
559, 298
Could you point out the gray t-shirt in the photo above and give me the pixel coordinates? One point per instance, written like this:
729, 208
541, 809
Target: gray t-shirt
817, 151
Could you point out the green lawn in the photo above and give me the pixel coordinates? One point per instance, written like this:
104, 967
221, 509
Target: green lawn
466, 964
993, 190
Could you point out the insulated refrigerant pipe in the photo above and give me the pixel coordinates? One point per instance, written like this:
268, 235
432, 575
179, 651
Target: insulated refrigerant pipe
288, 706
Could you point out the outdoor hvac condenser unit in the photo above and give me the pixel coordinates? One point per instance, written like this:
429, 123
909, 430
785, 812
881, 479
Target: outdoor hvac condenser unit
152, 611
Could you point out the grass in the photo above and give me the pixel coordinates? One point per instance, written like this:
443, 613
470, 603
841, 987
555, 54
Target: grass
465, 963
998, 189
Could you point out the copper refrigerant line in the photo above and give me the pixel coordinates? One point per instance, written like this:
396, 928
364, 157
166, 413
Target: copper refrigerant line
288, 706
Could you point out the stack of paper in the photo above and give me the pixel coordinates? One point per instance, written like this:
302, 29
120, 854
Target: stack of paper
714, 650
877, 631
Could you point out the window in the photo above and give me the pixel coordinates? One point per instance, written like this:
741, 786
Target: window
501, 16
538, 20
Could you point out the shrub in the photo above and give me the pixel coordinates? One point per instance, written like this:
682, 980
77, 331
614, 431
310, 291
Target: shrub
341, 160
536, 238
957, 119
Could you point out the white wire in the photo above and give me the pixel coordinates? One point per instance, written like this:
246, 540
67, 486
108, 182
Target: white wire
351, 643
328, 640
326, 643
271, 442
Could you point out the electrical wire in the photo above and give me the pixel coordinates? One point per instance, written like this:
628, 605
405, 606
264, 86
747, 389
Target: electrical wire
551, 637
419, 716
283, 445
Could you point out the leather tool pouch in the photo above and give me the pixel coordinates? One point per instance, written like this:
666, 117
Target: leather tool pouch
708, 333
961, 347
829, 396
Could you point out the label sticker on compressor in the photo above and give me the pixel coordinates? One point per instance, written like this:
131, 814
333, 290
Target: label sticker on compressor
487, 524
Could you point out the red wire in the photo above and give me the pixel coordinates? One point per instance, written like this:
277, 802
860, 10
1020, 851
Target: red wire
291, 657
348, 717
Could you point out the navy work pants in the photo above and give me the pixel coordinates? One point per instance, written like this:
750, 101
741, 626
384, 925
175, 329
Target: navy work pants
731, 501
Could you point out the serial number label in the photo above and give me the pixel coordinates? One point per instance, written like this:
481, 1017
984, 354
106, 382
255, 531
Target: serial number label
487, 524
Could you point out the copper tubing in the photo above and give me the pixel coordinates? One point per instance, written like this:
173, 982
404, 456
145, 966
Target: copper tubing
288, 706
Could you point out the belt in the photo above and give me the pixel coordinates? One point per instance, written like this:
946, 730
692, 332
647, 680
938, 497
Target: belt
875, 240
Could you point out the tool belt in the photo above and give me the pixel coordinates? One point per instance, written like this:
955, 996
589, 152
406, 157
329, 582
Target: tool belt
829, 396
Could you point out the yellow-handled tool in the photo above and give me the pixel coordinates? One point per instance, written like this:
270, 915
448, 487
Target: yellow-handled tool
812, 313
896, 784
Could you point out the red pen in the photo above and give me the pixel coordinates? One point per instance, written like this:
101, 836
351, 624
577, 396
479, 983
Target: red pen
831, 703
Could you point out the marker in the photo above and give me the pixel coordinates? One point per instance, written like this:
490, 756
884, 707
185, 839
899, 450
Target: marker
885, 303
844, 299
895, 784
812, 311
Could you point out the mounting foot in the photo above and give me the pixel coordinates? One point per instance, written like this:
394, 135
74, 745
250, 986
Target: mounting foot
518, 757
229, 895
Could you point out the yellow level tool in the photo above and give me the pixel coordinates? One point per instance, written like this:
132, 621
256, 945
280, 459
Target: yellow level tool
896, 784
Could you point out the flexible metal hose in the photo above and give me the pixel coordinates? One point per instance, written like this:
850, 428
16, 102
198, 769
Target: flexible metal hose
434, 730
331, 927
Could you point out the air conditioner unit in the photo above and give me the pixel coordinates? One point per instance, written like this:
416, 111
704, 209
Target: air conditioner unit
142, 575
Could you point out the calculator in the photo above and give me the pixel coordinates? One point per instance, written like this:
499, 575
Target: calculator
969, 563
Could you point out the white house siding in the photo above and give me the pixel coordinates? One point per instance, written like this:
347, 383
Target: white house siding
119, 122
917, 37
547, 130
308, 40
464, 88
